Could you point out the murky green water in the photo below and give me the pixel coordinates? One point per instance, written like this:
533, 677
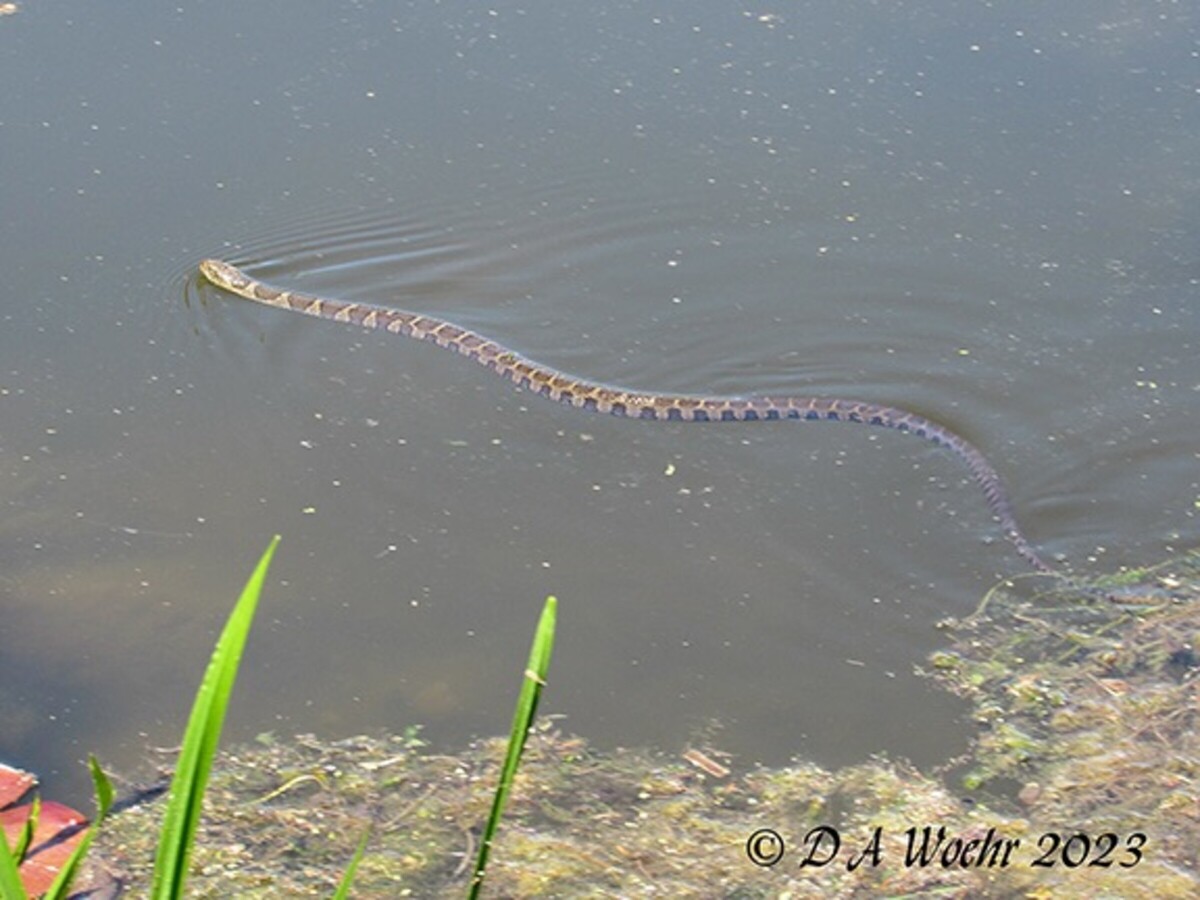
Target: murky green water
985, 214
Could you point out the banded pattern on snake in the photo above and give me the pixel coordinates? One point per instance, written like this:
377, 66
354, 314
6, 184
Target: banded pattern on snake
595, 397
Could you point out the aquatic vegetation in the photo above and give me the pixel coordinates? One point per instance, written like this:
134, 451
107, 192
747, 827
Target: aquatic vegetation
527, 703
1057, 737
54, 872
1087, 729
177, 832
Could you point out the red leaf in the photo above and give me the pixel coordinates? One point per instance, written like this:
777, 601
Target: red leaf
13, 785
42, 863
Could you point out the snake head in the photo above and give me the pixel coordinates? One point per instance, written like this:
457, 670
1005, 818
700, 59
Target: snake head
223, 275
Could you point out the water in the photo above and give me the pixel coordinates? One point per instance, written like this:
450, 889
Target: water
989, 217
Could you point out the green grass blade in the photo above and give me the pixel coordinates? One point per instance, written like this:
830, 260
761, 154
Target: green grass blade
10, 879
26, 836
201, 738
104, 788
104, 798
527, 703
343, 888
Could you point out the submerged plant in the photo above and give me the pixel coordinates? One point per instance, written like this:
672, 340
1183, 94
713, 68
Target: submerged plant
199, 745
201, 738
178, 830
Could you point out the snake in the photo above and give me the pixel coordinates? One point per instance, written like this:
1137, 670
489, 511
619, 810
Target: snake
596, 397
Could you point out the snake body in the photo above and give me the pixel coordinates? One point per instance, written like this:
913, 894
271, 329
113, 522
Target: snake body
595, 397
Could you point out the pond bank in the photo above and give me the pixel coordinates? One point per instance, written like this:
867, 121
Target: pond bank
1086, 717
